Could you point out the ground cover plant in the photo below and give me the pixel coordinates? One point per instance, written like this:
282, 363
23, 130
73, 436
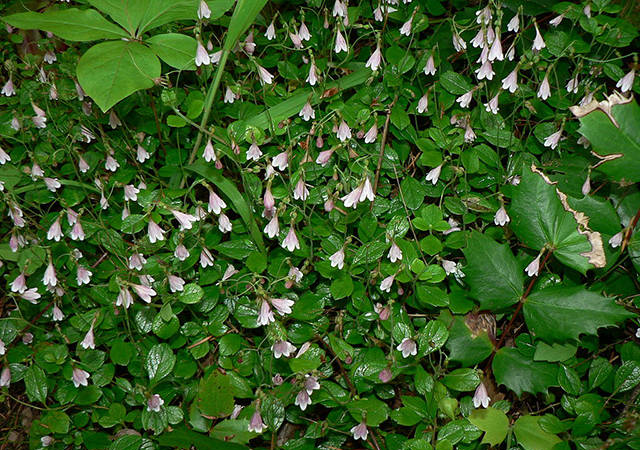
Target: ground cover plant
306, 224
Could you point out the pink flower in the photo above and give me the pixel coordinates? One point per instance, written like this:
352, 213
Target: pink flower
385, 375
83, 275
385, 285
186, 220
282, 348
514, 24
406, 27
291, 242
265, 76
312, 78
111, 163
52, 184
124, 298
492, 105
337, 259
307, 112
423, 103
49, 279
465, 99
176, 284
616, 239
142, 154
155, 402
375, 59
303, 32
4, 157
395, 254
202, 57
77, 232
5, 377
360, 431
271, 31
430, 66
510, 82
88, 341
272, 228
300, 192
341, 43
114, 121
203, 10
229, 272
57, 314
282, 305
538, 42
265, 316
181, 252
224, 224
544, 91
372, 134
311, 384
144, 292
534, 266
626, 82
434, 174
216, 204
137, 261
501, 218
255, 424
303, 399
281, 161
344, 132
408, 347
154, 232
254, 153
481, 397
55, 231
31, 295
131, 193
8, 89
80, 377
205, 258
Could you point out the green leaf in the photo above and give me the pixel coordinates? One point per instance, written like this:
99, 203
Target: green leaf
342, 286
243, 16
493, 422
110, 71
521, 373
177, 50
36, 384
432, 337
229, 189
558, 314
531, 436
272, 411
71, 24
541, 216
127, 442
56, 421
492, 272
373, 410
464, 346
454, 83
611, 126
462, 380
183, 438
160, 361
215, 395
191, 294
627, 376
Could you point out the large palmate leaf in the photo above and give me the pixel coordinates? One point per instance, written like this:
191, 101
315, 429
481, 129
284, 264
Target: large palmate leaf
541, 216
613, 128
492, 273
557, 314
175, 49
518, 371
71, 24
110, 71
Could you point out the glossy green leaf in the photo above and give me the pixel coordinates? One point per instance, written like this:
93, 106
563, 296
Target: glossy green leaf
531, 436
215, 395
521, 373
493, 422
160, 361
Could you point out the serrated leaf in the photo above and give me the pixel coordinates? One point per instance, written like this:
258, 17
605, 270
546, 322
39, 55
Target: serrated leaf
492, 272
36, 384
541, 217
558, 314
521, 373
160, 361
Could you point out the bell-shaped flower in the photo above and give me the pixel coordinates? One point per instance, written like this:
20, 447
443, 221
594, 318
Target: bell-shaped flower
481, 397
501, 217
291, 242
80, 377
626, 82
360, 431
408, 347
337, 259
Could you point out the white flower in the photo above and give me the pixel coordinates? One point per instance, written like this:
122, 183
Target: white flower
181, 252
553, 139
282, 348
626, 82
483, 15
312, 78
408, 347
80, 377
481, 397
229, 272
8, 89
176, 284
303, 32
307, 112
449, 266
616, 239
430, 66
324, 157
49, 279
485, 71
378, 12
311, 383
544, 91
83, 275
265, 75
303, 399
209, 153
510, 82
337, 259
265, 316
300, 192
282, 305
216, 204
31, 295
255, 424
496, 49
57, 314
534, 267
111, 163
341, 44
88, 341
339, 9
55, 231
202, 57
272, 228
386, 284
144, 292
514, 24
281, 161
511, 53
395, 254
492, 105
186, 220
538, 42
4, 156
254, 153
19, 284
556, 20
224, 224
291, 242
434, 174
352, 198
367, 191
372, 134
406, 27
271, 31
206, 259
155, 402
501, 218
572, 85
5, 377
423, 103
360, 431
479, 39
465, 99
203, 10
375, 59
131, 193
344, 132
142, 154
154, 232
586, 186
458, 43
229, 96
